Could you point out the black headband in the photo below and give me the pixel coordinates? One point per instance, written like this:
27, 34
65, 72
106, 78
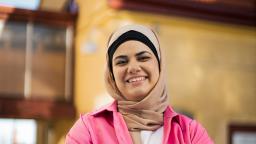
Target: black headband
130, 35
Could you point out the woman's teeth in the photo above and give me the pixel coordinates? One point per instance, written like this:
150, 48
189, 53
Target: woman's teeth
136, 79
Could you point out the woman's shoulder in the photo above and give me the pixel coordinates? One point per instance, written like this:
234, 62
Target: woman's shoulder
198, 134
181, 119
191, 127
81, 130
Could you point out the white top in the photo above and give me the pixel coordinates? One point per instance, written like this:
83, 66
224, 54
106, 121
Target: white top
152, 137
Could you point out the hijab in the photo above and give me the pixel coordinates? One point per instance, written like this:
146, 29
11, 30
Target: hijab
146, 114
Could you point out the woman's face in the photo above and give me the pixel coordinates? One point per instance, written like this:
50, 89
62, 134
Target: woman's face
135, 69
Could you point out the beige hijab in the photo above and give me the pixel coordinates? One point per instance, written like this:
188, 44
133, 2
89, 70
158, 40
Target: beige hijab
146, 114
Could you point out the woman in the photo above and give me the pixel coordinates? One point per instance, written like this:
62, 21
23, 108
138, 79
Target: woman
135, 78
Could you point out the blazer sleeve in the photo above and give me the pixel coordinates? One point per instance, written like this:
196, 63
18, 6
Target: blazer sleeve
198, 134
79, 133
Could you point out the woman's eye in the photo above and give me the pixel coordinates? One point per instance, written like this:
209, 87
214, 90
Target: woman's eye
121, 62
144, 58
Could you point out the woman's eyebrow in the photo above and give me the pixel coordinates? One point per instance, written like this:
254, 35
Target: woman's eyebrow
120, 57
142, 52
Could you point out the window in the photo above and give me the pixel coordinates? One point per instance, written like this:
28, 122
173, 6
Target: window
36, 64
35, 60
242, 134
12, 131
26, 4
12, 57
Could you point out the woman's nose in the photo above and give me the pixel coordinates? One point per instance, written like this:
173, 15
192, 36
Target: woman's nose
134, 68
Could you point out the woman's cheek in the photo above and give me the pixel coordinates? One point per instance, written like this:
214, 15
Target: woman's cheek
119, 76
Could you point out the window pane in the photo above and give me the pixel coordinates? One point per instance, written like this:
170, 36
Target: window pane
26, 4
244, 138
18, 131
48, 62
12, 57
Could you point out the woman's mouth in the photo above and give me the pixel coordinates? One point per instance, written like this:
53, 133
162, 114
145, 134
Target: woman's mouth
136, 79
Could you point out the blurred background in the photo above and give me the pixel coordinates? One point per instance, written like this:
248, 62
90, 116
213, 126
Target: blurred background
52, 59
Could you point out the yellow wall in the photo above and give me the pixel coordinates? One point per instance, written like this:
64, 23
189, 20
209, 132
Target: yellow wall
211, 66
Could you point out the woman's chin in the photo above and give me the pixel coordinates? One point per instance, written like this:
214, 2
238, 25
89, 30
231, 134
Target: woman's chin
136, 96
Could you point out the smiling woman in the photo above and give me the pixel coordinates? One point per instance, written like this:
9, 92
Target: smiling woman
135, 78
135, 71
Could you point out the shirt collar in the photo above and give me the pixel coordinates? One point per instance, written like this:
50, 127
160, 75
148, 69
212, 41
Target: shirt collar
169, 112
112, 107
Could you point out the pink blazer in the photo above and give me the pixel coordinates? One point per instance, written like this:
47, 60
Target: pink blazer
107, 126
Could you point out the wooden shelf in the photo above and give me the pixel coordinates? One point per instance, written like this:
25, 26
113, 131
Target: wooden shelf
238, 13
36, 108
